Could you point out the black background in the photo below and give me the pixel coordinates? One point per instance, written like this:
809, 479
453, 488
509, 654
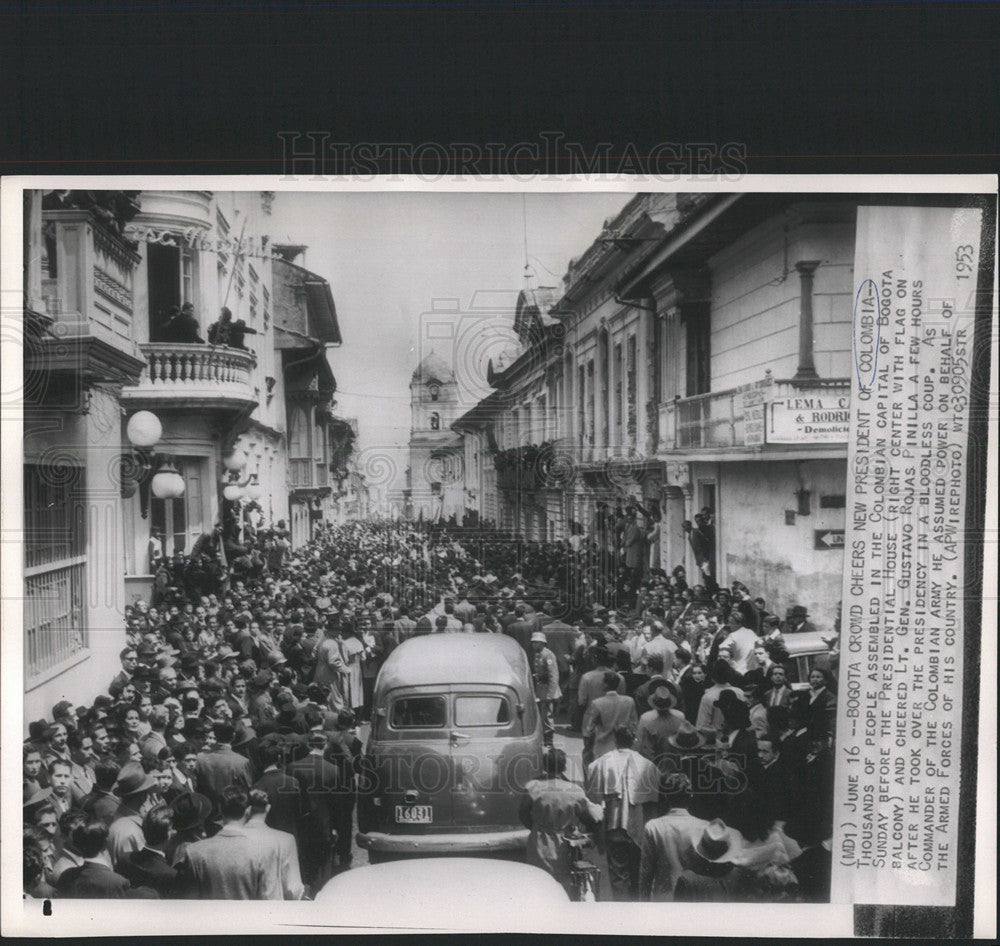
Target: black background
807, 87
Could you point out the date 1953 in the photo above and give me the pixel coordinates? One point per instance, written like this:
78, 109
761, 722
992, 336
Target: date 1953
965, 262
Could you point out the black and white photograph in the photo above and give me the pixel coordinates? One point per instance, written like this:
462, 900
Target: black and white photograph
510, 549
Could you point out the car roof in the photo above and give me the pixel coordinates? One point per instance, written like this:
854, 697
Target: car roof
462, 885
804, 642
455, 658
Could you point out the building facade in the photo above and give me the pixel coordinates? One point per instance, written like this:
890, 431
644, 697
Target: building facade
696, 359
149, 418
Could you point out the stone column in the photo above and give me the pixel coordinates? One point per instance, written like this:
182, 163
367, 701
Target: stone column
807, 368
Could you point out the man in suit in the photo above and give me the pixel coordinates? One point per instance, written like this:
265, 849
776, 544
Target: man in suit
102, 803
129, 661
604, 715
94, 878
776, 781
155, 740
134, 787
283, 790
221, 767
797, 621
668, 841
277, 847
148, 867
317, 777
660, 723
521, 627
230, 865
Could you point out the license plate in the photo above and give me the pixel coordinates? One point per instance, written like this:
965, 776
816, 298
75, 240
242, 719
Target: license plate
414, 814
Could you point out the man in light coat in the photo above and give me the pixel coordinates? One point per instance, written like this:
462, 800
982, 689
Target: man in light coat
627, 787
604, 716
668, 841
232, 864
545, 673
279, 847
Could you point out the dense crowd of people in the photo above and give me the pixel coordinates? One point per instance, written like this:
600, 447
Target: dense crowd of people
222, 761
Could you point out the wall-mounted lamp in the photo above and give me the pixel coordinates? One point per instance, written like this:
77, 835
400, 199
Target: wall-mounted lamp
802, 497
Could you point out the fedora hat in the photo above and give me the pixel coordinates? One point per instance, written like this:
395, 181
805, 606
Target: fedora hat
190, 810
687, 738
132, 780
717, 844
664, 696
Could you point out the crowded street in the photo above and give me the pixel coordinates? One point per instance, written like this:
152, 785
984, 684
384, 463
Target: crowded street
229, 757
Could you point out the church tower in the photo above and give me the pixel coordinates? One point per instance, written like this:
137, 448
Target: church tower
435, 477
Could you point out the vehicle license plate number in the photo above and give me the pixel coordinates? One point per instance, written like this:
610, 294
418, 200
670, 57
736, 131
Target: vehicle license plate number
414, 814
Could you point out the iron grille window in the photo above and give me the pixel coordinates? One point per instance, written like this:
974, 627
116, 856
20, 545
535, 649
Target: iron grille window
55, 566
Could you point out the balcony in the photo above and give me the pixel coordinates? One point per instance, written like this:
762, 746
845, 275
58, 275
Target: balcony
194, 376
763, 413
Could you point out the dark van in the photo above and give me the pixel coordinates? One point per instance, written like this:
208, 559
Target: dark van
456, 735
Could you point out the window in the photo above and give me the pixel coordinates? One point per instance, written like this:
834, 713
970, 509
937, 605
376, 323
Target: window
55, 566
171, 273
435, 421
698, 326
617, 367
435, 392
631, 393
418, 712
481, 711
299, 453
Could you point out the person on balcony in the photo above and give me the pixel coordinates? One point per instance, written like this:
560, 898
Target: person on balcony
183, 327
219, 332
238, 333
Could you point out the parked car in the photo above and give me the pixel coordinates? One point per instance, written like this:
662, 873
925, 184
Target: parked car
455, 736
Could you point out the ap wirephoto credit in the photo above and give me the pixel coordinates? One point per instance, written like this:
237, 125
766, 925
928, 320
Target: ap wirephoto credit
449, 559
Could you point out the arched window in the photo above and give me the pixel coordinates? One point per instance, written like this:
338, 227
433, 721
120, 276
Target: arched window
435, 391
435, 421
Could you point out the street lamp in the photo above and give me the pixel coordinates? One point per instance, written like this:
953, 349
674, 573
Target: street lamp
167, 483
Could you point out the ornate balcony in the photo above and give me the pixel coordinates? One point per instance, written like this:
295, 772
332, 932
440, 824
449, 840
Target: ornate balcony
194, 376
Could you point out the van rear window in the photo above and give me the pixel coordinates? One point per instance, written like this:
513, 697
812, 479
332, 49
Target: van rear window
481, 711
418, 712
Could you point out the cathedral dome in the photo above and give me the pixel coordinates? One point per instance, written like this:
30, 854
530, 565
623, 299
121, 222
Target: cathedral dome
433, 368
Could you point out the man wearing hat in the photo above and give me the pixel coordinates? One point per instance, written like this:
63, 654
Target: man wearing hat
545, 674
668, 841
133, 787
797, 621
713, 875
331, 670
190, 811
660, 723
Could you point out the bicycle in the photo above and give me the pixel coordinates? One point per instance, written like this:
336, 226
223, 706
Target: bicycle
584, 876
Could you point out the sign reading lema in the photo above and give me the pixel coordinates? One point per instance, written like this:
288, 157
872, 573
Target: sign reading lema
897, 777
